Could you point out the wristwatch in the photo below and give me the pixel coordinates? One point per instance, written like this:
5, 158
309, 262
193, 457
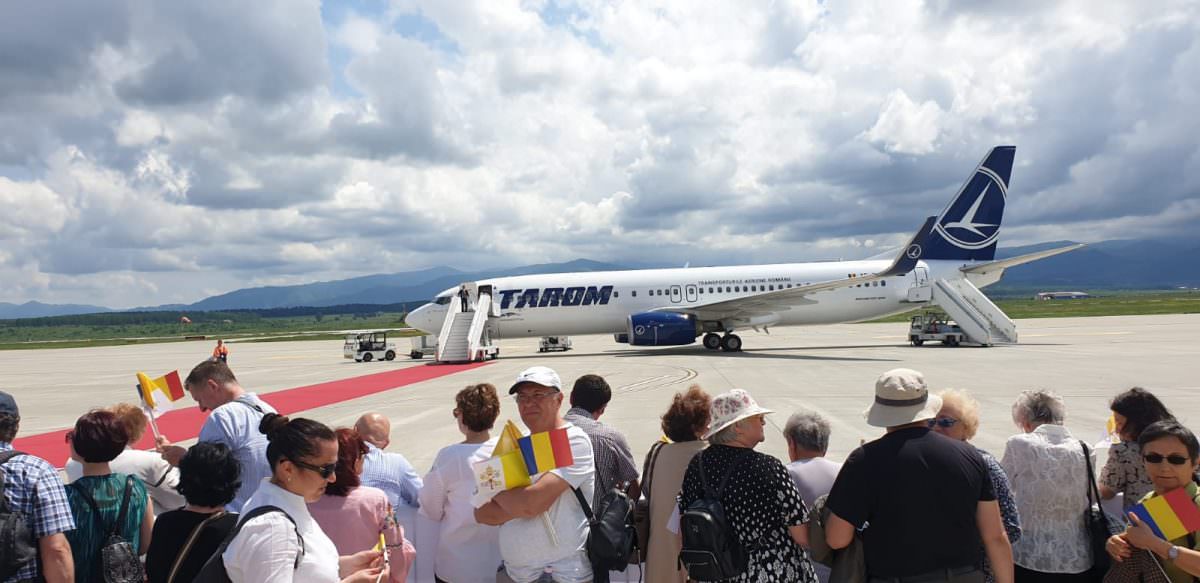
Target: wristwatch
1173, 552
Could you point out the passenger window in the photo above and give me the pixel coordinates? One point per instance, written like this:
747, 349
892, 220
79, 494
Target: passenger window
883, 283
634, 292
616, 294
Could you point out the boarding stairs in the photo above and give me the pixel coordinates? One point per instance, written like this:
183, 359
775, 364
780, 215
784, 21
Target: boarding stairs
981, 320
464, 335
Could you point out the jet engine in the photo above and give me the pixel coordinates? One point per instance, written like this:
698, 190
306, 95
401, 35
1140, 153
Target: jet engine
662, 329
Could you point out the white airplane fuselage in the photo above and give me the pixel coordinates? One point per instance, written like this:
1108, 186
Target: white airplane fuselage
528, 308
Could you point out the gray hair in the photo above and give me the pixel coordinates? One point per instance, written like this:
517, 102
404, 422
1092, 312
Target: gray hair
728, 434
808, 430
1039, 408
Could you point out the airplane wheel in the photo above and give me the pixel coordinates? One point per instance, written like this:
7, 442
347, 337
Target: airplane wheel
712, 341
391, 355
731, 343
368, 357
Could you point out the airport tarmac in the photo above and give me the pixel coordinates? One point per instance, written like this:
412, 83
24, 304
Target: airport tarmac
830, 369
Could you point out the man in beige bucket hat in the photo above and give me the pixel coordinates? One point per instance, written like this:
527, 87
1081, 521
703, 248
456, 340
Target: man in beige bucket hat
913, 484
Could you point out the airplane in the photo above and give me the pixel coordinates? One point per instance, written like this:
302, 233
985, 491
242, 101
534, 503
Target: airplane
953, 252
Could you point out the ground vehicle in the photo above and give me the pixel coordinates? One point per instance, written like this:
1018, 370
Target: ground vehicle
368, 346
553, 343
934, 327
426, 343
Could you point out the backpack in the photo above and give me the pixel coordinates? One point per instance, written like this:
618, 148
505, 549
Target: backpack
214, 571
710, 550
17, 547
611, 533
118, 559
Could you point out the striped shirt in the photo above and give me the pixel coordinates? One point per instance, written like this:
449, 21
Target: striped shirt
393, 474
33, 488
614, 459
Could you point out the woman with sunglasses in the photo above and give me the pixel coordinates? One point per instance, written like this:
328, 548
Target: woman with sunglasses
1171, 454
959, 419
354, 516
287, 546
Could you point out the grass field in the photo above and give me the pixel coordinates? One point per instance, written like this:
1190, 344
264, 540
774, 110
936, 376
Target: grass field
122, 329
1101, 304
250, 329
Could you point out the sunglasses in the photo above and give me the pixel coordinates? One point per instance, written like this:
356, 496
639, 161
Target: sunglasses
325, 471
1157, 458
532, 397
943, 422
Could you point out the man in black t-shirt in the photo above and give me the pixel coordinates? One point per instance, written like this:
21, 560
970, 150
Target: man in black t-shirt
923, 502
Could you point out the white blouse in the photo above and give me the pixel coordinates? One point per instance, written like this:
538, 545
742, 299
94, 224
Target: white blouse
1049, 482
467, 552
265, 550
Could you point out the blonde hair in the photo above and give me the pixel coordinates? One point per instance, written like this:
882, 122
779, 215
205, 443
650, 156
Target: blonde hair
968, 407
132, 418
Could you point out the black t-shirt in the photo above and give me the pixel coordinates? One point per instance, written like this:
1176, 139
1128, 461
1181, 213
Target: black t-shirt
917, 492
171, 532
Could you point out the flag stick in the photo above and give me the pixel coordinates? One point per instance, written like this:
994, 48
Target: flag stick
149, 414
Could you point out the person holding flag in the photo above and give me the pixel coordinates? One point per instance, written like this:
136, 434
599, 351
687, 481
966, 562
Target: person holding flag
234, 421
543, 528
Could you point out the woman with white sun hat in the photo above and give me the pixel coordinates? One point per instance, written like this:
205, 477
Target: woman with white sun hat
761, 505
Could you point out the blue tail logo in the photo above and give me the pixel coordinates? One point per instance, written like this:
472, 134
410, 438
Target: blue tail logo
970, 225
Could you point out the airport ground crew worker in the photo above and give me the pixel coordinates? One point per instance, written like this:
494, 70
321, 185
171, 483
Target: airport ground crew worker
221, 352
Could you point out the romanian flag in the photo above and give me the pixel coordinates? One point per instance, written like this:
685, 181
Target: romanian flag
546, 450
1171, 515
158, 394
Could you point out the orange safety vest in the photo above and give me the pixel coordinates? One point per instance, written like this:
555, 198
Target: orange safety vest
220, 351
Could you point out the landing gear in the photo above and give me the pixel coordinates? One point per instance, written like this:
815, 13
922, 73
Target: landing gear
731, 343
712, 341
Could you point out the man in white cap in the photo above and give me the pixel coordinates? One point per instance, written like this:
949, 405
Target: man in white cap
923, 502
543, 529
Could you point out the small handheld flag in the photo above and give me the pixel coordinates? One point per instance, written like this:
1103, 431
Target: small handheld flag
546, 450
159, 393
1171, 515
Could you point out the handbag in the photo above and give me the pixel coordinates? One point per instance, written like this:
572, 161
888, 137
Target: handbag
641, 509
1100, 525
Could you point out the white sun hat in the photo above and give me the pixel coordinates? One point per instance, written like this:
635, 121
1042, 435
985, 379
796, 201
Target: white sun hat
729, 408
902, 397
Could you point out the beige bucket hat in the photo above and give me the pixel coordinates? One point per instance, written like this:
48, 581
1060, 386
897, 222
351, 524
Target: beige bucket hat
902, 397
729, 408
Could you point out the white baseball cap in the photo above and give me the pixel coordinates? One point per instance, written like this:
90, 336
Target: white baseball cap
538, 375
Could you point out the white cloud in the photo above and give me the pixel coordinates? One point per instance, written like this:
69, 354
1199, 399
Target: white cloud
143, 152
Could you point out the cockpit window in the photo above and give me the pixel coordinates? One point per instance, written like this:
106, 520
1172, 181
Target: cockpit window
441, 301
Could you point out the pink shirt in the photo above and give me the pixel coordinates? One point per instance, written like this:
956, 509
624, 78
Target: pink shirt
354, 522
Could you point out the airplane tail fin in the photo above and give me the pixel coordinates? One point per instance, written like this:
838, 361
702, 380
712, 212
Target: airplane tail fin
967, 229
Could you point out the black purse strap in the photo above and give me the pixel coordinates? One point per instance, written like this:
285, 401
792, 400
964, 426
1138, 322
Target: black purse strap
648, 468
1093, 491
87, 497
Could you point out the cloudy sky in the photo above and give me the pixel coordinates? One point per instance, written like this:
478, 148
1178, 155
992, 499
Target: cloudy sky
155, 152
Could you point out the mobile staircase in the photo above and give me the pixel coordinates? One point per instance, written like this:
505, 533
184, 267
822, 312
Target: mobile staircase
464, 336
980, 319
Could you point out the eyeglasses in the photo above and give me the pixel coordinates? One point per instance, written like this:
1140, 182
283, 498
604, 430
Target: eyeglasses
1157, 458
943, 422
531, 397
325, 471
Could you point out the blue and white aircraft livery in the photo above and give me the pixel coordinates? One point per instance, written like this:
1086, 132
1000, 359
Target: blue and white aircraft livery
671, 307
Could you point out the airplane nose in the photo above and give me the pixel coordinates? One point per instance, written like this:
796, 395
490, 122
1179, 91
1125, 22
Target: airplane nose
421, 319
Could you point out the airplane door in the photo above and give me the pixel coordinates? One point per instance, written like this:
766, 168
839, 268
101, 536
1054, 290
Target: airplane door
676, 294
920, 277
692, 296
920, 292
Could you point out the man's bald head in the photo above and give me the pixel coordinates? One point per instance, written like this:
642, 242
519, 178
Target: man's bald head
375, 429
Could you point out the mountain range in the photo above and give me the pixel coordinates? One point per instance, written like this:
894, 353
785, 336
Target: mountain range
1119, 264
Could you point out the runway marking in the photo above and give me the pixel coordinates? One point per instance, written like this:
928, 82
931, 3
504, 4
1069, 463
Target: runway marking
184, 424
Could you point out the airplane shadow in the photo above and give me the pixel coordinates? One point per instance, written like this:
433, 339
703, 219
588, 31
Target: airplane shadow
767, 353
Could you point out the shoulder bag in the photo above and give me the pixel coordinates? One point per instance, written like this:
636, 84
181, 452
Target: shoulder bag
641, 509
1099, 524
191, 541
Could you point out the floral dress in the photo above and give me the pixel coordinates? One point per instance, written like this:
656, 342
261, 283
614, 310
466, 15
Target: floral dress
761, 503
1124, 472
1008, 507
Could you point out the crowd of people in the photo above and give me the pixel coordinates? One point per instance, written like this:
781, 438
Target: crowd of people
265, 498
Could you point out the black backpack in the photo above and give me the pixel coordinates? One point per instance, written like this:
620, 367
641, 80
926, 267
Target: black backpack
118, 559
17, 547
611, 533
711, 551
214, 571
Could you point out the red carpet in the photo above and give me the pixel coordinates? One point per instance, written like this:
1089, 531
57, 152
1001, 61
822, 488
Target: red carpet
184, 424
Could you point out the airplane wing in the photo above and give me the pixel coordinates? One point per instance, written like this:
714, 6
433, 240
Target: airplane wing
1001, 265
781, 300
